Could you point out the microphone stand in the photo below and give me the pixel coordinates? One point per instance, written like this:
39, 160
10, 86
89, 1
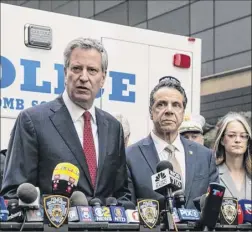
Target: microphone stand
169, 209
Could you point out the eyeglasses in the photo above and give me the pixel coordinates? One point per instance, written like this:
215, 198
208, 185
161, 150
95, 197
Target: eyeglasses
169, 78
243, 137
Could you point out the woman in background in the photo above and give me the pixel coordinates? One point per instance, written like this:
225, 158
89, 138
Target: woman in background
233, 155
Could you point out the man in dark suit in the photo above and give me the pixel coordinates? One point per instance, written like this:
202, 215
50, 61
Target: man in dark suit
70, 129
194, 162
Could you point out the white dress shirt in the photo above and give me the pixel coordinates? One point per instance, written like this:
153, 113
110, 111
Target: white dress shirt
76, 113
160, 145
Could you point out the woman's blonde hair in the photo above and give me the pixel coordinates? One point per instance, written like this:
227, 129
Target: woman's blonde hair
219, 148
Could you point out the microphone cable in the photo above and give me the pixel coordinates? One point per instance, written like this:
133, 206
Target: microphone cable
174, 223
23, 223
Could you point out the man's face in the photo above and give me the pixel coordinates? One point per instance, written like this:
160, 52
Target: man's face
194, 136
167, 111
84, 76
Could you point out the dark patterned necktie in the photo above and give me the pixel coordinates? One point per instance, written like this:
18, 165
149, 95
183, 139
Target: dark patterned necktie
89, 147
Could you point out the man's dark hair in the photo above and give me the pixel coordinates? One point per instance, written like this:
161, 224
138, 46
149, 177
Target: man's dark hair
169, 82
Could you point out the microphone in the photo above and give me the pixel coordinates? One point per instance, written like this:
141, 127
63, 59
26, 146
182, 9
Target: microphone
29, 196
101, 213
131, 212
3, 210
229, 211
165, 181
65, 179
246, 206
196, 202
166, 178
211, 205
117, 212
79, 209
240, 214
183, 213
16, 214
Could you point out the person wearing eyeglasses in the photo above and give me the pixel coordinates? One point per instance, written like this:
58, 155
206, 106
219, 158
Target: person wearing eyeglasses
233, 155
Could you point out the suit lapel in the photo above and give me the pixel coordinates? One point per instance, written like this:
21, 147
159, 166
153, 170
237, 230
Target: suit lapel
227, 180
190, 160
150, 153
62, 121
102, 125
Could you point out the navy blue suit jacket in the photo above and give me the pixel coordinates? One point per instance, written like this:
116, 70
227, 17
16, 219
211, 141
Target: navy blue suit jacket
44, 136
142, 159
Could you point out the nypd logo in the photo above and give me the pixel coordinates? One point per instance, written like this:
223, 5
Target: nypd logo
56, 208
149, 212
229, 210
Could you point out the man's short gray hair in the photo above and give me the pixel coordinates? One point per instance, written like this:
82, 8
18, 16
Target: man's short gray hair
86, 43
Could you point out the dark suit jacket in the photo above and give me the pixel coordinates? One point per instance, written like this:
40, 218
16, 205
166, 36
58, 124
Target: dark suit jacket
142, 159
44, 136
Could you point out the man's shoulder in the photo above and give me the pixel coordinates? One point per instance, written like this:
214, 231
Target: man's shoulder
41, 109
135, 146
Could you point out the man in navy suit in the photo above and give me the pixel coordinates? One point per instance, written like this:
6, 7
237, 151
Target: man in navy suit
194, 162
70, 129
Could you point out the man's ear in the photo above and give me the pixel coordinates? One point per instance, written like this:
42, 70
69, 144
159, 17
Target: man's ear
151, 116
103, 79
65, 72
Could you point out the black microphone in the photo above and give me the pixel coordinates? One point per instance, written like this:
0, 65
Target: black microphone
166, 178
211, 205
29, 196
183, 213
101, 213
79, 209
165, 181
196, 202
16, 213
117, 212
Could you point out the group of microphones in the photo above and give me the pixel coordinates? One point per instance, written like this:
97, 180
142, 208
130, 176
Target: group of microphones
66, 205
212, 208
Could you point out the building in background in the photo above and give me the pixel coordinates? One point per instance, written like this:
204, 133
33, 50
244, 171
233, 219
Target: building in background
224, 27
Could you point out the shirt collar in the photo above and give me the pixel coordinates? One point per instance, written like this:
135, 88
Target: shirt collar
76, 111
160, 144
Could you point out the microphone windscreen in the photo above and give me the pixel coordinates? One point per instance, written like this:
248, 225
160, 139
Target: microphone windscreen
127, 204
111, 201
95, 202
27, 193
164, 164
196, 202
202, 201
178, 193
65, 178
78, 199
